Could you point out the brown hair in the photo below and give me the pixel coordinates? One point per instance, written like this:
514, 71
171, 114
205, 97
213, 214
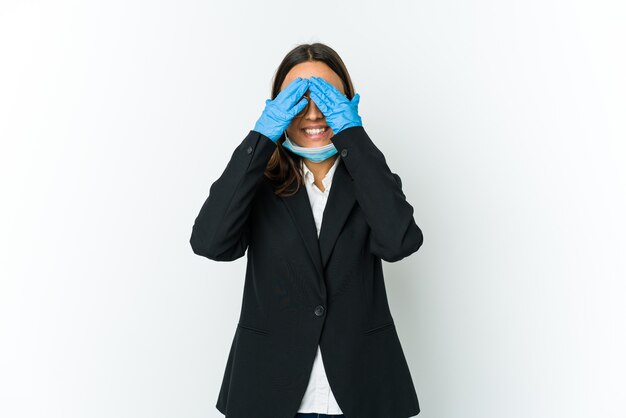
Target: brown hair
284, 166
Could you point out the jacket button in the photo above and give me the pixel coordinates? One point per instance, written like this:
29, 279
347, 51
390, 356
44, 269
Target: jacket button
344, 152
319, 310
249, 150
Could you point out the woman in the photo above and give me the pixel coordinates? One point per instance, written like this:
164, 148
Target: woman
315, 336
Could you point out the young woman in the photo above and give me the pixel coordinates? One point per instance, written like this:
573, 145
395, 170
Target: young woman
311, 199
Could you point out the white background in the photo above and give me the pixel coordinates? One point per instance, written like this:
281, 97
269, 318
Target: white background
504, 119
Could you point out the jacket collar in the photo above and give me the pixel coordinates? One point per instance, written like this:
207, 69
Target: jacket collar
341, 199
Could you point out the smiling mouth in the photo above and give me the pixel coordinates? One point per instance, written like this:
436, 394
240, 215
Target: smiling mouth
316, 133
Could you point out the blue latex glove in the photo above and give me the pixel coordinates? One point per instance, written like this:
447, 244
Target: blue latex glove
279, 113
340, 112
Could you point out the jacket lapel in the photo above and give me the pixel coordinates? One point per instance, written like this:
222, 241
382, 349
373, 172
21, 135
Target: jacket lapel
341, 199
300, 209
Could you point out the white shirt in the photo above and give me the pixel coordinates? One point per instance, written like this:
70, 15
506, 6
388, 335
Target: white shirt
318, 397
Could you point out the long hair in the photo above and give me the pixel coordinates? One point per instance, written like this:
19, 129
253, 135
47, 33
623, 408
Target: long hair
284, 169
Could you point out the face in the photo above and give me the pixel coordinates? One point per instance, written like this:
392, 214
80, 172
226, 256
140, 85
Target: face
311, 116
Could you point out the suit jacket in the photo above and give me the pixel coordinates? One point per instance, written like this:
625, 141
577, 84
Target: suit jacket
301, 290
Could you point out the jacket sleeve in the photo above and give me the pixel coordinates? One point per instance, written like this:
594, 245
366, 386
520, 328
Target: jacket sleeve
220, 231
394, 233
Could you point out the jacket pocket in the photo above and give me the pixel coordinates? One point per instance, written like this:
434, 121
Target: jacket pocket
253, 329
380, 328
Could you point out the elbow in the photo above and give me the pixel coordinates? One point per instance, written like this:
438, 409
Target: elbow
213, 252
418, 237
199, 247
410, 243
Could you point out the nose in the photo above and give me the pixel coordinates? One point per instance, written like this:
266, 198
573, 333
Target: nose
311, 111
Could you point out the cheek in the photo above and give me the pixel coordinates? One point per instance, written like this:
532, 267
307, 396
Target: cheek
292, 129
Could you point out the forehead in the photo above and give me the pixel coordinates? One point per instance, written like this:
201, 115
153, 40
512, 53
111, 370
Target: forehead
313, 68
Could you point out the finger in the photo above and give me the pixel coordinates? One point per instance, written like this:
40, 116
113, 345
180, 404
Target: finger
331, 91
295, 96
288, 96
320, 103
330, 99
292, 92
356, 99
321, 97
299, 107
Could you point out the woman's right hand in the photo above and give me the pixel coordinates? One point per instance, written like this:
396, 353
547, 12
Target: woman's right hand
279, 113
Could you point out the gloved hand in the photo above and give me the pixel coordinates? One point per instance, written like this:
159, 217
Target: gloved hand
279, 113
340, 112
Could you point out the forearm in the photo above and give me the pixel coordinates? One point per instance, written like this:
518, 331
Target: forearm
220, 229
394, 233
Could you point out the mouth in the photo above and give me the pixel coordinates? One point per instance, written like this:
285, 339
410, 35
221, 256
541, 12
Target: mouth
317, 132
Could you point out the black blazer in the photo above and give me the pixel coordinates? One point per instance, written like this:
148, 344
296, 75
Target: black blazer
300, 290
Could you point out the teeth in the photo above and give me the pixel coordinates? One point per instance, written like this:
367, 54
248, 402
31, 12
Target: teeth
314, 131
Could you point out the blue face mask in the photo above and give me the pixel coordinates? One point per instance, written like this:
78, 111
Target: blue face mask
315, 154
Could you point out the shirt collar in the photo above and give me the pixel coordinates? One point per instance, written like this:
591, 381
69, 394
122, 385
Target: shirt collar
310, 178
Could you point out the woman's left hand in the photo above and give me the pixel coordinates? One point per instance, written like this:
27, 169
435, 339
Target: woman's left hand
340, 112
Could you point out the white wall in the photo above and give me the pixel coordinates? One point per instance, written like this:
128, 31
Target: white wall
504, 119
